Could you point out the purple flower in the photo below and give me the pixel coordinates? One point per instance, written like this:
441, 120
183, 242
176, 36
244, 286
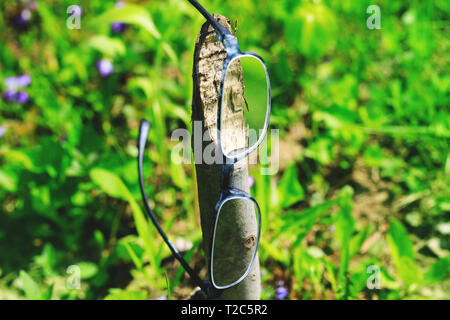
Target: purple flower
105, 67
22, 97
23, 80
25, 16
281, 292
251, 181
8, 95
119, 27
2, 131
14, 83
19, 96
13, 86
161, 298
10, 82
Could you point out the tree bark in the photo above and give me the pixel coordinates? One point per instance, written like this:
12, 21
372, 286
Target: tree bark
209, 57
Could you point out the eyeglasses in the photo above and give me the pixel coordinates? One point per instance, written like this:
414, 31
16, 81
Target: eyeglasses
234, 206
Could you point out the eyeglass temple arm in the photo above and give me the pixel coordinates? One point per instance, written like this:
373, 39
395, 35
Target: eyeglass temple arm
221, 31
143, 133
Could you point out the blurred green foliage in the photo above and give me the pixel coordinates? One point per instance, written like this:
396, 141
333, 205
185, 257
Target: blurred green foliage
364, 152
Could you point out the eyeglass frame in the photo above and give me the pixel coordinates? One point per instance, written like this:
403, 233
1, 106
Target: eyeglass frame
227, 193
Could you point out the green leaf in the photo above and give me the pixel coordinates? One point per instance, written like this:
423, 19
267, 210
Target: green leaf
279, 255
169, 291
47, 260
438, 271
315, 252
178, 175
109, 47
345, 224
18, 157
41, 202
321, 150
87, 269
8, 181
52, 26
137, 262
408, 271
142, 84
300, 223
131, 14
444, 228
414, 218
31, 288
402, 254
336, 117
388, 281
358, 282
109, 182
374, 156
357, 241
399, 238
129, 248
289, 189
47, 294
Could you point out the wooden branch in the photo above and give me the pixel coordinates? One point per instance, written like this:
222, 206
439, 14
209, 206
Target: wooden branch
209, 57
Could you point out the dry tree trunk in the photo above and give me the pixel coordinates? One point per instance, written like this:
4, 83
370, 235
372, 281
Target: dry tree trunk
209, 59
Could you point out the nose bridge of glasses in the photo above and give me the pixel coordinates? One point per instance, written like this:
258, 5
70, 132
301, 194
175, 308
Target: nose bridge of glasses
231, 44
225, 179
